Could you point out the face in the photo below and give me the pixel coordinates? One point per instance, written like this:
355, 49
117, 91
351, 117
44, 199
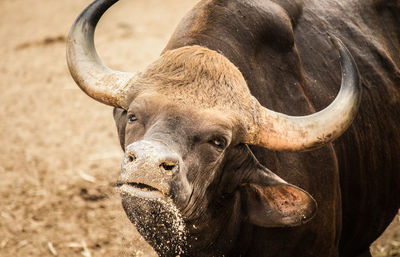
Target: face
173, 155
186, 178
173, 144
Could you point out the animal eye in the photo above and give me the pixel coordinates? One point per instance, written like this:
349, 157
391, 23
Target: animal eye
218, 142
132, 118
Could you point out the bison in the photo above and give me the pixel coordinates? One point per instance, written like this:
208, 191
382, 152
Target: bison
229, 135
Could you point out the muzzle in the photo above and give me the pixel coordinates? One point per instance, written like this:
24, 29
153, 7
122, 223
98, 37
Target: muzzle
148, 167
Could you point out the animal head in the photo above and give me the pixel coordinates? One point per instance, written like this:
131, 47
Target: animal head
184, 123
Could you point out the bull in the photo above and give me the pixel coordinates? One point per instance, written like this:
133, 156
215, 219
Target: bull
229, 135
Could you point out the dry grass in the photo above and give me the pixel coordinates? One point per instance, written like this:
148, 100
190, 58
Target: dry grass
389, 243
59, 153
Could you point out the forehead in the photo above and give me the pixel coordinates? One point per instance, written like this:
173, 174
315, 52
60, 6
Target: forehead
200, 85
196, 76
161, 106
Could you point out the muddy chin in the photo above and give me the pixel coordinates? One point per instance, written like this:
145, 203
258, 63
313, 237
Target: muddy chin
157, 219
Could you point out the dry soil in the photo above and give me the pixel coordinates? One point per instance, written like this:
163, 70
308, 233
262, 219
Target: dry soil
59, 152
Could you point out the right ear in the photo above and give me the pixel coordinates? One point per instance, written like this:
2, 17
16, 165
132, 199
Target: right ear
279, 205
267, 200
120, 120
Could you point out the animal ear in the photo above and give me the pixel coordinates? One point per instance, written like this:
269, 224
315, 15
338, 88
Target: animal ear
120, 120
275, 203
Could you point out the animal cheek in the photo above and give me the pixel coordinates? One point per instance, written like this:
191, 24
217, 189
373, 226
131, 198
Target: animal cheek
181, 190
209, 154
133, 134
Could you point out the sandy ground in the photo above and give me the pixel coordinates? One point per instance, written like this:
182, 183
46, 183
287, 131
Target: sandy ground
59, 152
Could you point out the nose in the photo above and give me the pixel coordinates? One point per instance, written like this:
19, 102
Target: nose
153, 154
150, 165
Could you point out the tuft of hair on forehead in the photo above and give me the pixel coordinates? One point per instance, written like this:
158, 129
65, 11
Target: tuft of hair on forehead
196, 76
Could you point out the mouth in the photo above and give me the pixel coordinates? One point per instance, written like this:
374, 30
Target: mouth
141, 190
140, 186
155, 216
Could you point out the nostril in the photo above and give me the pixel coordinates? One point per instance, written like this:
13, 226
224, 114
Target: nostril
130, 157
169, 167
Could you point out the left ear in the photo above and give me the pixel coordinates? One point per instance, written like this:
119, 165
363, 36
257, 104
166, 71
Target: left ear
269, 201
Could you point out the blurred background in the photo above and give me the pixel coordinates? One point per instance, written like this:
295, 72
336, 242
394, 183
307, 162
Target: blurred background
59, 151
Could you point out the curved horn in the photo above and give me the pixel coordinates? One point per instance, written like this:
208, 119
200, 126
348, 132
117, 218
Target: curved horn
277, 131
91, 75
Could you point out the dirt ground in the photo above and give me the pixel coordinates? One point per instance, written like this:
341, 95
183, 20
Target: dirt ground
59, 152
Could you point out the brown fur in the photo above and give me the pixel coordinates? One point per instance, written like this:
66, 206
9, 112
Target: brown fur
200, 78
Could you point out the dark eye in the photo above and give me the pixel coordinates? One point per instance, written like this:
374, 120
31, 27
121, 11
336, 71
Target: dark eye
218, 142
132, 118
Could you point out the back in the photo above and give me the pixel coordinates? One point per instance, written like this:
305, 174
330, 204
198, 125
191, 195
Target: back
368, 153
